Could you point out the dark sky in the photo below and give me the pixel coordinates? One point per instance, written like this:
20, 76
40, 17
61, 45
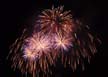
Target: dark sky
14, 14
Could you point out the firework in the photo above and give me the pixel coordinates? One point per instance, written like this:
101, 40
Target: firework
58, 36
37, 45
62, 42
55, 20
31, 53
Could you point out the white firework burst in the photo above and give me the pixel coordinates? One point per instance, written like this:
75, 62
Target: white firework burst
62, 42
36, 46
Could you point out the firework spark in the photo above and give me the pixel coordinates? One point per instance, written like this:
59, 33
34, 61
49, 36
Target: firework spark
59, 36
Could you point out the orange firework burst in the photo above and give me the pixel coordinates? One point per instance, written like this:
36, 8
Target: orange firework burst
59, 36
55, 19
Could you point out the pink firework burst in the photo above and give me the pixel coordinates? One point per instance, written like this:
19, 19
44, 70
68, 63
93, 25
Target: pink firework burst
36, 45
62, 42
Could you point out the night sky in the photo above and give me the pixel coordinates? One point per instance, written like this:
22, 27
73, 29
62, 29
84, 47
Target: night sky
17, 14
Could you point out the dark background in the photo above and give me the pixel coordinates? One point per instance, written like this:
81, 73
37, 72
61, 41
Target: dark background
16, 14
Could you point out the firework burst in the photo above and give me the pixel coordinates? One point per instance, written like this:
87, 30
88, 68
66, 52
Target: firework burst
62, 42
55, 20
36, 45
31, 53
59, 36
